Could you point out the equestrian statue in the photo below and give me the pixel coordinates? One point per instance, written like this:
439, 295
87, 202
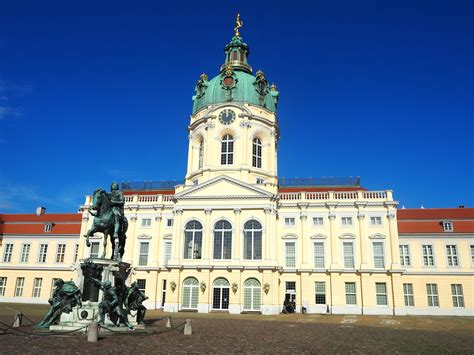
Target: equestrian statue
109, 218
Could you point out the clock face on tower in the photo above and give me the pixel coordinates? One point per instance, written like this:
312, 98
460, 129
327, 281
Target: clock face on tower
227, 116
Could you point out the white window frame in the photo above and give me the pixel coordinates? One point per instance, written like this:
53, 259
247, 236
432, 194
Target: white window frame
60, 254
48, 227
166, 256
320, 291
318, 219
145, 223
290, 260
251, 237
219, 234
141, 284
315, 263
142, 255
452, 259
43, 254
380, 294
3, 285
457, 295
227, 157
448, 226
405, 258
374, 221
201, 154
98, 249
408, 295
350, 293
169, 222
196, 252
257, 149
7, 253
290, 222
347, 221
433, 297
25, 252
37, 284
19, 285
344, 254
428, 255
375, 256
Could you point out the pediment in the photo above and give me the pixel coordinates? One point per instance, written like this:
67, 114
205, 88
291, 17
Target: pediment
223, 187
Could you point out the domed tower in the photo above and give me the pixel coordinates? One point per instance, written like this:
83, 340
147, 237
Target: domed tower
234, 127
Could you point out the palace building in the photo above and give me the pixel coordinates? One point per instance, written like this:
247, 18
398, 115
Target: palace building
234, 237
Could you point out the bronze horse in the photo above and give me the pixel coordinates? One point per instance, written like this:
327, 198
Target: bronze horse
101, 209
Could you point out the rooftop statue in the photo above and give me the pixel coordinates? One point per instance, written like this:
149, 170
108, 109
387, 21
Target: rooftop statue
109, 218
238, 24
65, 297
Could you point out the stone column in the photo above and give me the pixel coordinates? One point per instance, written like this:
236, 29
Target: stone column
158, 240
237, 236
393, 235
207, 242
303, 238
267, 235
131, 248
333, 241
362, 241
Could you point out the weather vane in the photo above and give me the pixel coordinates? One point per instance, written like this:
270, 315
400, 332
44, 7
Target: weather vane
238, 23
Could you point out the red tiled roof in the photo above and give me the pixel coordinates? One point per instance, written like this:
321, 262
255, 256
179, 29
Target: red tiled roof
429, 220
47, 217
63, 223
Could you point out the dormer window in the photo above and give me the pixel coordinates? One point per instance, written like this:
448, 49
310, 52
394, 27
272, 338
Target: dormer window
448, 226
48, 227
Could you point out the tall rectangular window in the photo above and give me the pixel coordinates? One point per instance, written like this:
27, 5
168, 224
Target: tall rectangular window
53, 286
290, 257
351, 297
404, 255
381, 293
432, 293
227, 150
20, 282
143, 257
348, 248
458, 298
25, 253
146, 222
3, 285
320, 292
37, 287
428, 255
408, 295
7, 254
318, 255
43, 253
452, 255
141, 283
167, 255
94, 251
60, 252
379, 262
318, 221
76, 252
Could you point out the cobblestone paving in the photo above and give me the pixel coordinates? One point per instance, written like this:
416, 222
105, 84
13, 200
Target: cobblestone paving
223, 333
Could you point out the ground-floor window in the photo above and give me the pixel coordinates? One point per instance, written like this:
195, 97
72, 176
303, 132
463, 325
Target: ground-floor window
252, 295
351, 297
20, 282
190, 293
141, 284
220, 296
458, 298
408, 295
37, 287
3, 285
163, 294
432, 292
320, 292
381, 293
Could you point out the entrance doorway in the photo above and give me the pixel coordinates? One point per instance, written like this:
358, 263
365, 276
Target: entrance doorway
289, 305
220, 297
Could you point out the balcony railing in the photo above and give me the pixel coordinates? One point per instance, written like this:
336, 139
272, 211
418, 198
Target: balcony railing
336, 196
151, 199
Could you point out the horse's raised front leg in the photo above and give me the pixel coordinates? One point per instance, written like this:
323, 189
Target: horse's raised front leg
89, 233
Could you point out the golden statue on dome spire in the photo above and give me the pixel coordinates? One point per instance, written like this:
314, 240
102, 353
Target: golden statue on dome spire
238, 23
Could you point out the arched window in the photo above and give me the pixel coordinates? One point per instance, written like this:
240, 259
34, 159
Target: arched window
227, 150
222, 240
201, 154
220, 294
190, 293
257, 153
193, 240
252, 295
253, 240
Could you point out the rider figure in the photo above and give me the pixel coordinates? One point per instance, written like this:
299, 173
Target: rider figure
117, 201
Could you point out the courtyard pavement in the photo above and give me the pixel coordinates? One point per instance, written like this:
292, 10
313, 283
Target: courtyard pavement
224, 333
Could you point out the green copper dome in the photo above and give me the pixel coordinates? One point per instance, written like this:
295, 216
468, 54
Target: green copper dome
235, 83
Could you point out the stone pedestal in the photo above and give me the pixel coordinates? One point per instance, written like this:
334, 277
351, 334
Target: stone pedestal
102, 269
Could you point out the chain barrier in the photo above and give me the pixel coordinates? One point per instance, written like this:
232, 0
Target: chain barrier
145, 332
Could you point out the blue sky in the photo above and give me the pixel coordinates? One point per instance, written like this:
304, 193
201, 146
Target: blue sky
92, 92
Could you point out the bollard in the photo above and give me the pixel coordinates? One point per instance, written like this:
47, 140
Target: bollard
168, 322
17, 321
188, 329
92, 331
